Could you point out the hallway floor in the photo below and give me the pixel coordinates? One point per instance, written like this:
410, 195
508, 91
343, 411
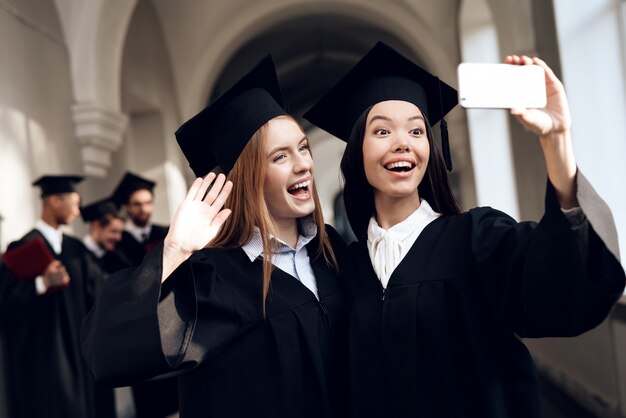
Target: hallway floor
557, 404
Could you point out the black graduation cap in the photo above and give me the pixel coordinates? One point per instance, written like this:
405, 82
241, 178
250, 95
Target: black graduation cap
383, 74
218, 134
57, 184
128, 185
97, 210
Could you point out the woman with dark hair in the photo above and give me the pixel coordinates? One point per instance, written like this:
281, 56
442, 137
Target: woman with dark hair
243, 303
438, 298
359, 195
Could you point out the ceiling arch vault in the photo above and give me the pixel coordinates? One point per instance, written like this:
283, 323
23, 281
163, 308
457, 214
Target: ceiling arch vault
293, 30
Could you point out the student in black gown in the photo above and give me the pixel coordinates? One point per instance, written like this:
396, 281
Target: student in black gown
106, 225
153, 399
46, 375
136, 195
438, 298
252, 321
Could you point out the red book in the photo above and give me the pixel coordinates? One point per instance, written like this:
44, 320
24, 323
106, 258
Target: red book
28, 260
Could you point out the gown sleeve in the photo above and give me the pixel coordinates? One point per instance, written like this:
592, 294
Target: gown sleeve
549, 279
139, 328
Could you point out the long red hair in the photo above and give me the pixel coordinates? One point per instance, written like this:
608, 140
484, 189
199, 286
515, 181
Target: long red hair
249, 208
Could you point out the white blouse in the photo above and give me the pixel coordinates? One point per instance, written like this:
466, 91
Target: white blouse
387, 248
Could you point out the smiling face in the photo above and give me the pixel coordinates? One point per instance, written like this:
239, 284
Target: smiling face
395, 149
288, 185
109, 235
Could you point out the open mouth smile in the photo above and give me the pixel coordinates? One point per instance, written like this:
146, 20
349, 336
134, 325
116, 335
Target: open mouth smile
400, 166
300, 189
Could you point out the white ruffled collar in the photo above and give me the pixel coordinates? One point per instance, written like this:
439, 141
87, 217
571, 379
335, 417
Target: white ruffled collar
387, 247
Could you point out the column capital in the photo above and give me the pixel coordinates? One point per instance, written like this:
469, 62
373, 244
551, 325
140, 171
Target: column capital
99, 131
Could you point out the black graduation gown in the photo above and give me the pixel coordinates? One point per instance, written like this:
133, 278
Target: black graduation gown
440, 341
114, 261
134, 250
206, 322
158, 398
46, 375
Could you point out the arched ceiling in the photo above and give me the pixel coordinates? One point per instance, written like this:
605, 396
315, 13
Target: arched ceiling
209, 41
310, 54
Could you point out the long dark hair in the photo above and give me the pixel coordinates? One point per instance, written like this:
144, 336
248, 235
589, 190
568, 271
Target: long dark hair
358, 194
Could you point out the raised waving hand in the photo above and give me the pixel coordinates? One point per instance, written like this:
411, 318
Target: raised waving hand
197, 221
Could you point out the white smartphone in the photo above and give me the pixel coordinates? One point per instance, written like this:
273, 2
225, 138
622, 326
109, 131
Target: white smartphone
502, 86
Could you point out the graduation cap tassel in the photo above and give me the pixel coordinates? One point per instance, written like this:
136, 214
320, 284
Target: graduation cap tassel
445, 142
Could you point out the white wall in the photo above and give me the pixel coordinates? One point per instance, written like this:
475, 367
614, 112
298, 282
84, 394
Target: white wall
36, 133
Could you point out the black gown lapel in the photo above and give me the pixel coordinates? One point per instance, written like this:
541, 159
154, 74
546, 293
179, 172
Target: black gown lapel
418, 256
416, 259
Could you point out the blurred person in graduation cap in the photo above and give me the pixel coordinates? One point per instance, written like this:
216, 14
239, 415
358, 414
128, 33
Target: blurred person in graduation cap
136, 195
244, 303
438, 297
106, 225
46, 375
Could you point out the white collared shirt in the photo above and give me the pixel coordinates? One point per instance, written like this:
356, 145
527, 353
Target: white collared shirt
387, 248
93, 246
52, 235
139, 233
293, 261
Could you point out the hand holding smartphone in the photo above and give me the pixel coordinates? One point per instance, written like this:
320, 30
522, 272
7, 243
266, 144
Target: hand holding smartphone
501, 86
